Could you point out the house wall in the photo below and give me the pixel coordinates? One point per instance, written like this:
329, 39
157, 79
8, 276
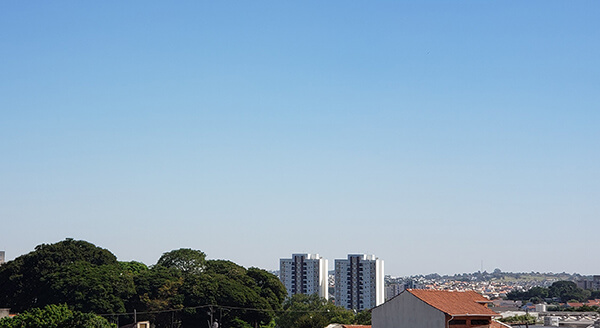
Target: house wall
469, 322
407, 311
4, 313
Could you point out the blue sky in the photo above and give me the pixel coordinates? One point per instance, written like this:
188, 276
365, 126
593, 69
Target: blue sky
434, 134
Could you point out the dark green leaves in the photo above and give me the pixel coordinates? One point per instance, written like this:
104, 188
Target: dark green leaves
55, 316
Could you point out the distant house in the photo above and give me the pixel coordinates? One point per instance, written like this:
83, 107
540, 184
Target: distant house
139, 324
4, 312
419, 308
595, 302
574, 305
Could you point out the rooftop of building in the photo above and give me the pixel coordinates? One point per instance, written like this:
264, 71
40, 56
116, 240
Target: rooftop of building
339, 325
454, 303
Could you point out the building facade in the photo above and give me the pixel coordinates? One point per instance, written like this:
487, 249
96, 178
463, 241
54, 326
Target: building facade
2, 257
591, 283
359, 282
304, 274
393, 290
435, 309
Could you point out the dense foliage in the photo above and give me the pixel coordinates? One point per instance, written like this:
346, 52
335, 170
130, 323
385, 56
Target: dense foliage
520, 319
55, 316
563, 291
311, 311
63, 273
221, 283
178, 291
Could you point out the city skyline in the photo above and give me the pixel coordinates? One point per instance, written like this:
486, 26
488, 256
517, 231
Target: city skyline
436, 135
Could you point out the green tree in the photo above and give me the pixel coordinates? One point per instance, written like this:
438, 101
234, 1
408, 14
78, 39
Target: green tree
133, 267
92, 288
26, 281
184, 259
312, 311
220, 283
363, 318
159, 290
177, 290
539, 292
268, 287
567, 290
520, 319
225, 283
55, 316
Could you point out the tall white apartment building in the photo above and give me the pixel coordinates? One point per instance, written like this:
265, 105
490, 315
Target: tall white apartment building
359, 282
304, 274
2, 257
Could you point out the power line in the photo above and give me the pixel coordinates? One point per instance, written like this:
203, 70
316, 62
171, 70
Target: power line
222, 307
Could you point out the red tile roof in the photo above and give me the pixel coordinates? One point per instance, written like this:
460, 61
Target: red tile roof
593, 302
455, 303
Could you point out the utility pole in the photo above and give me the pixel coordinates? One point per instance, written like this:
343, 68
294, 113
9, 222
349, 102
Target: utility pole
211, 312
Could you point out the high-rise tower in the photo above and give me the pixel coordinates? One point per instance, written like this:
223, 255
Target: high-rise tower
304, 274
359, 282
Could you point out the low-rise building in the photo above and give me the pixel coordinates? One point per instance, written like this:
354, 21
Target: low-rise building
419, 308
139, 324
4, 312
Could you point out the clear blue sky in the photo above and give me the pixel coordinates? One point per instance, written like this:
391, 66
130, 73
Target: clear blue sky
433, 134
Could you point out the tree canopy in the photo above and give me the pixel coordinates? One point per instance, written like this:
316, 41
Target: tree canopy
561, 290
312, 311
568, 290
184, 259
32, 280
55, 316
181, 289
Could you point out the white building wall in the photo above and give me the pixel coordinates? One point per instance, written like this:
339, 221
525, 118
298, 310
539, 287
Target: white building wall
359, 282
379, 283
407, 311
304, 274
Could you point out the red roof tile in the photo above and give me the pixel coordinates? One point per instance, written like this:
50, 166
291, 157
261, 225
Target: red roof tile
455, 303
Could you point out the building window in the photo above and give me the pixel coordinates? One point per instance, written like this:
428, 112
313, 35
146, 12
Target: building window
457, 322
481, 322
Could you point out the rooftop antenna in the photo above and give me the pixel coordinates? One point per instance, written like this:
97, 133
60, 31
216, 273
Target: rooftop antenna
481, 265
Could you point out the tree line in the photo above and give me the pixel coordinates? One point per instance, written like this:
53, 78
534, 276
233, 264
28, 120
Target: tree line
79, 283
563, 291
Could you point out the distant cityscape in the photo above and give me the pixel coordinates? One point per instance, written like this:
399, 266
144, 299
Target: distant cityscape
359, 282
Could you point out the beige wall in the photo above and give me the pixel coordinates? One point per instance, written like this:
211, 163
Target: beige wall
4, 313
407, 311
